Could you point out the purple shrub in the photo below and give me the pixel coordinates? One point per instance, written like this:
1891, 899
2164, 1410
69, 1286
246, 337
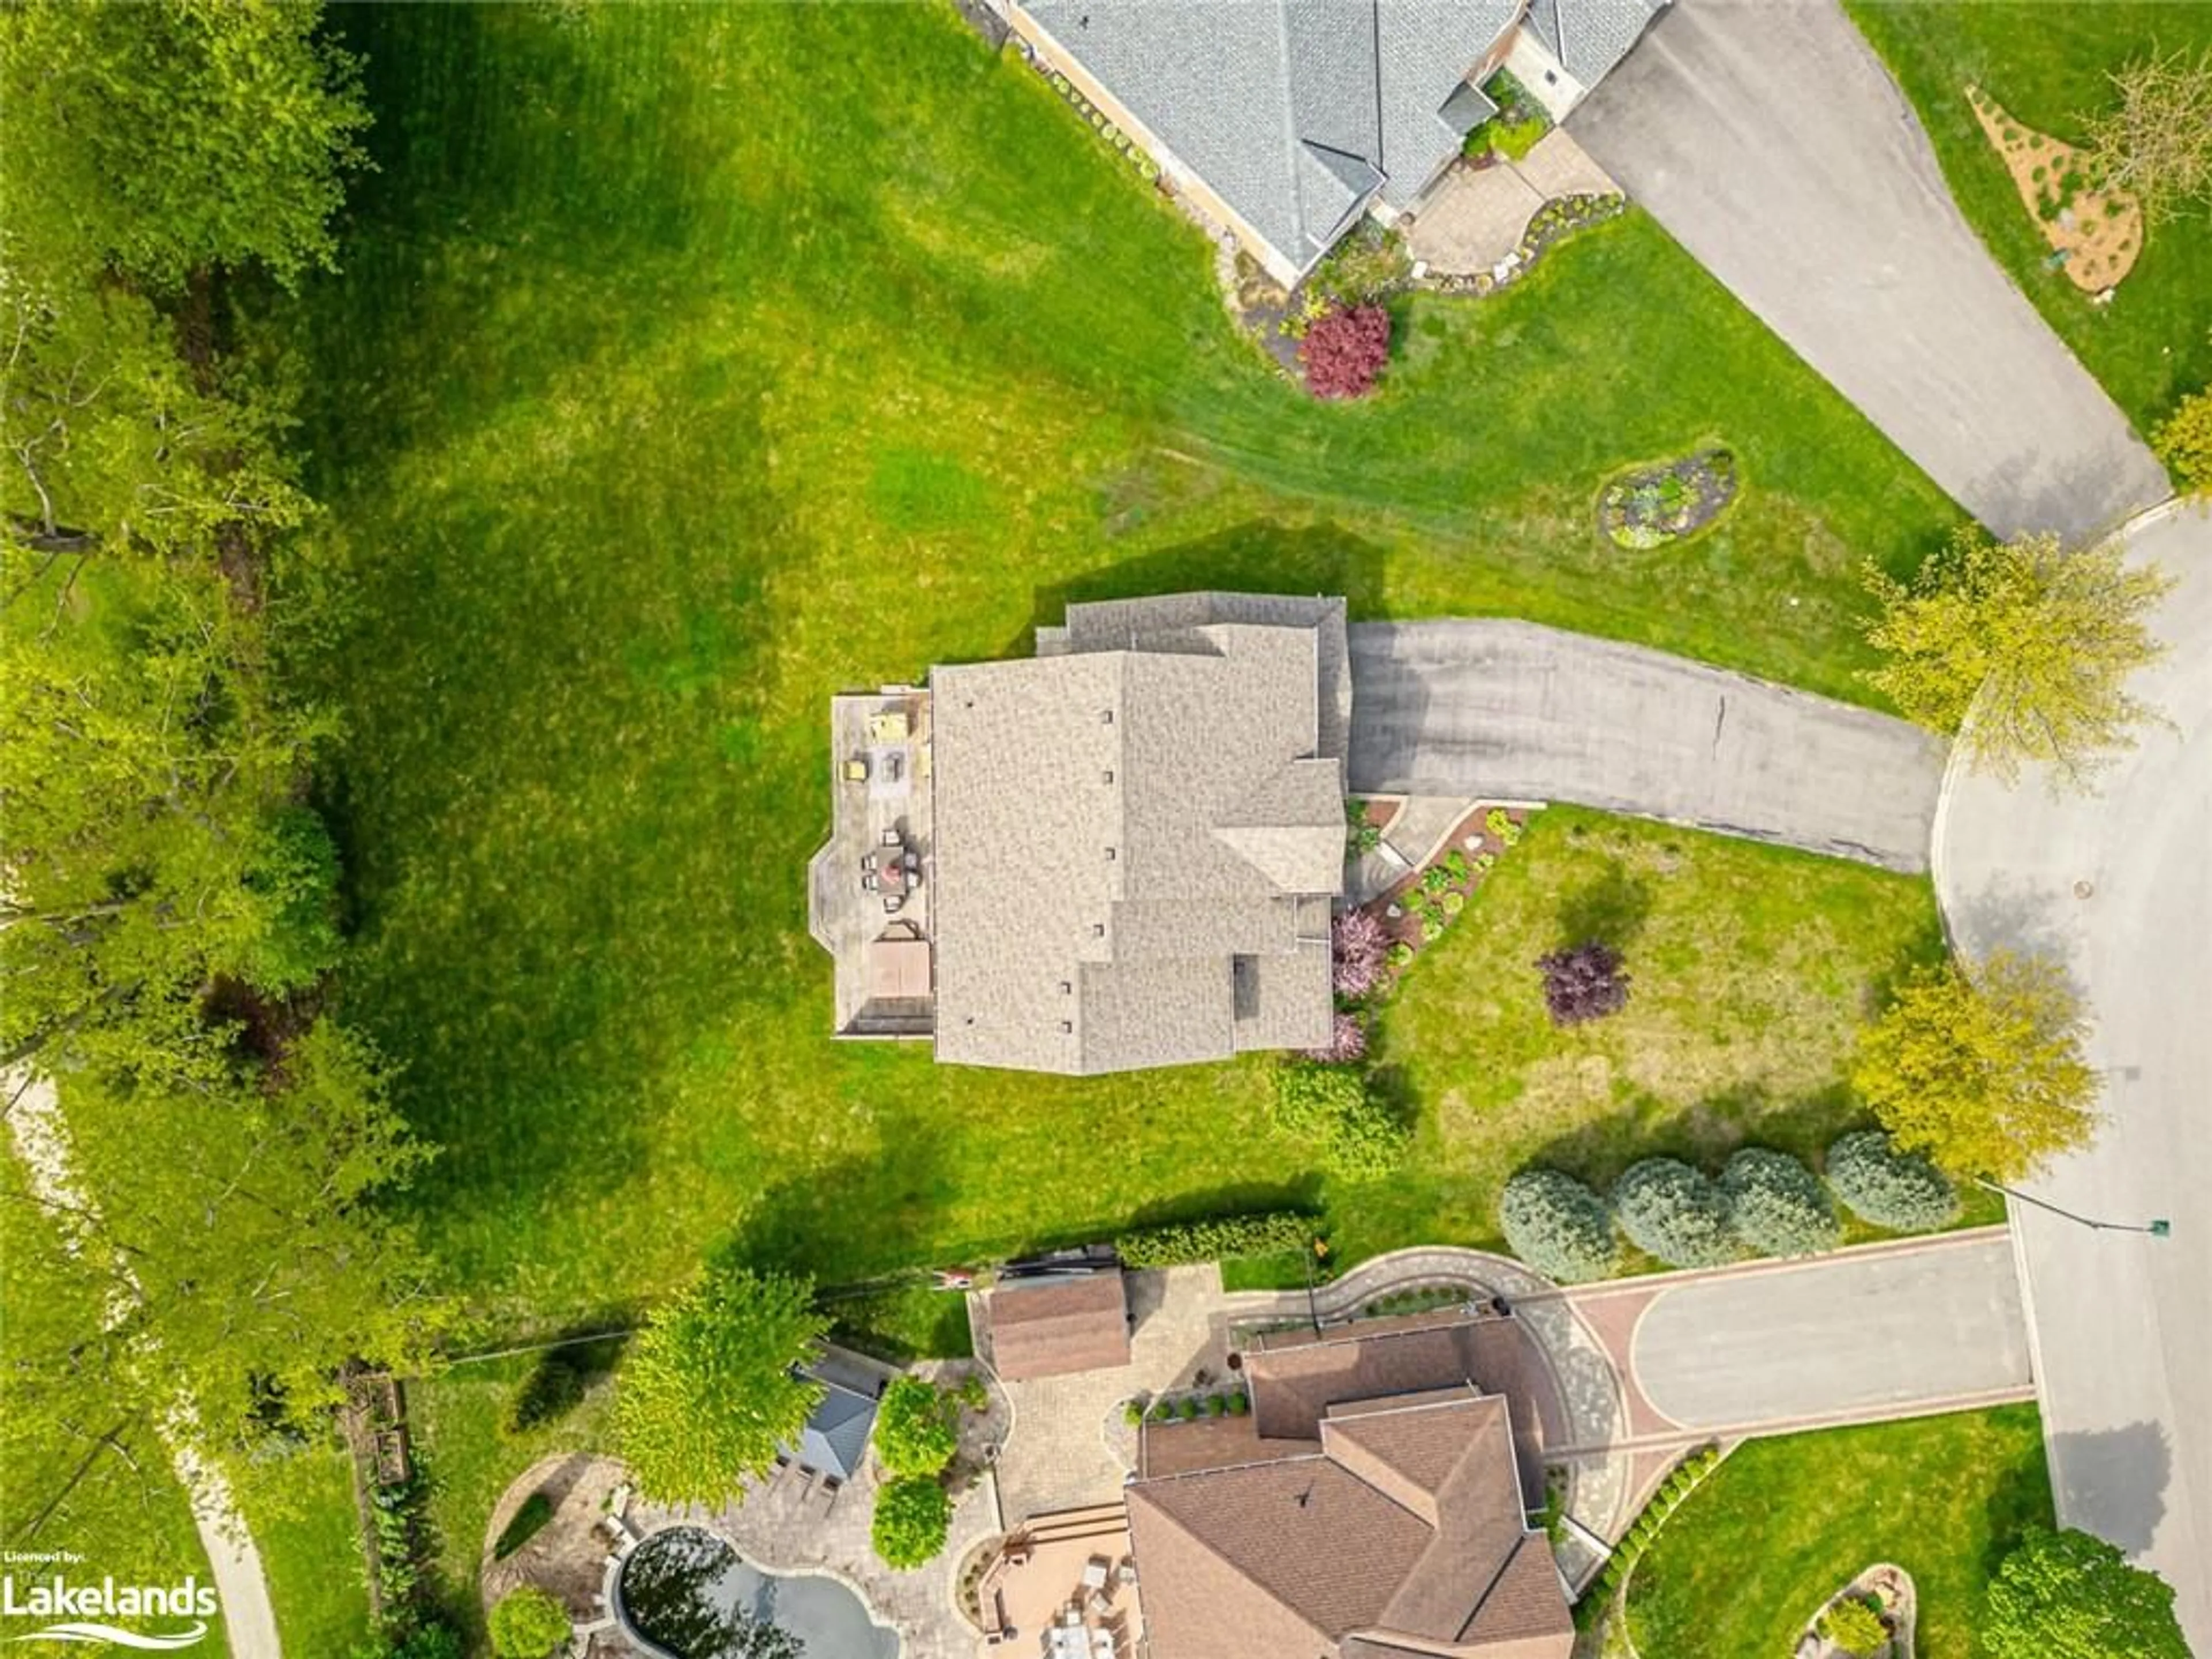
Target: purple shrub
1345, 350
1348, 1042
1360, 946
1583, 982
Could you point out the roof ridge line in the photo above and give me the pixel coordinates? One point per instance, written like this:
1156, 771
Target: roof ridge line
1206, 1544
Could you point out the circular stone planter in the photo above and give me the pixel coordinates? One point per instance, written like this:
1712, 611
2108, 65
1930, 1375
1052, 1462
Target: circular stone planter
1886, 1582
1653, 507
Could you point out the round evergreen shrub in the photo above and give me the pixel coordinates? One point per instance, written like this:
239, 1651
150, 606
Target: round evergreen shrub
1902, 1191
1674, 1212
1775, 1204
1557, 1226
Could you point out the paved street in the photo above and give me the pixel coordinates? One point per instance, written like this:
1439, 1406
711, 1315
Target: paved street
1508, 710
1770, 141
1858, 1333
2117, 886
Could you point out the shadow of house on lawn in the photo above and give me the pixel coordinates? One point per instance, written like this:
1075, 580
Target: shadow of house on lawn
1258, 556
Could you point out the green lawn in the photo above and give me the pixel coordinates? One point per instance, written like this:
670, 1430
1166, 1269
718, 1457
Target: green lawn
459, 1422
1749, 966
2046, 63
1783, 1524
301, 1513
689, 363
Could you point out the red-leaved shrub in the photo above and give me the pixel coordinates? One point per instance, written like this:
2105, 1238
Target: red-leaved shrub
1360, 946
1348, 1042
1345, 350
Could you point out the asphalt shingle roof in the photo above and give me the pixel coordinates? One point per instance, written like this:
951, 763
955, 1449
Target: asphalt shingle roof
1059, 1326
1137, 833
1589, 37
1295, 112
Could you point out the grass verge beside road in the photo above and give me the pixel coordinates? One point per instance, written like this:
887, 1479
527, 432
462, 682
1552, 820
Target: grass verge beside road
2046, 63
1783, 1524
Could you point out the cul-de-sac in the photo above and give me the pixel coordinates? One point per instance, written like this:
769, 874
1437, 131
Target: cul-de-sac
1106, 829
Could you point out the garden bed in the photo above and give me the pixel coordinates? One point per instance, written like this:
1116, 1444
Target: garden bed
1654, 505
2096, 236
1418, 909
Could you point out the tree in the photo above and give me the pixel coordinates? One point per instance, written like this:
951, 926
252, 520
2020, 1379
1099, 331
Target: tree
1345, 350
2036, 641
167, 137
2184, 442
1357, 1133
1902, 1191
915, 1427
1856, 1627
1583, 982
1557, 1226
1358, 945
2157, 145
1985, 1075
711, 1387
1776, 1205
528, 1624
913, 1514
1671, 1210
2068, 1595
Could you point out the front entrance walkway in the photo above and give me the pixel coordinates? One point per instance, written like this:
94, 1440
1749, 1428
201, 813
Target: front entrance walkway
1772, 144
1474, 218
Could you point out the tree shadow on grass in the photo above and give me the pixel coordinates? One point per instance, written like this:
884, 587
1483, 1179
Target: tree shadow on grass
1245, 1198
2020, 1498
1609, 909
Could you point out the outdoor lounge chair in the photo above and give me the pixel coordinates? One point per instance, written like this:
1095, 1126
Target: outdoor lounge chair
892, 902
856, 771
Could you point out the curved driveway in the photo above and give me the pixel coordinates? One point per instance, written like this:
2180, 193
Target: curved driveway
2118, 887
1767, 138
1510, 711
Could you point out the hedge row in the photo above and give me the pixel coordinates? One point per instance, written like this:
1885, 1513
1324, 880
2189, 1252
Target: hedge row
1267, 1232
1767, 1203
1637, 1539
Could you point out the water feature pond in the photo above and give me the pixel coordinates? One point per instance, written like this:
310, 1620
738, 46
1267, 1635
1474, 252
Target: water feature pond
692, 1597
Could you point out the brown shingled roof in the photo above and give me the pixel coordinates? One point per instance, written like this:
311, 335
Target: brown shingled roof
1401, 1532
1061, 1326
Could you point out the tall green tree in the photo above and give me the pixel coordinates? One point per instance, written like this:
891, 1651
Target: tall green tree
2068, 1595
172, 136
2036, 640
917, 1428
1985, 1074
912, 1515
712, 1386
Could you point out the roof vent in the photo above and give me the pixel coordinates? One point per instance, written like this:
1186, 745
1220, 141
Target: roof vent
1107, 777
1067, 988
1110, 855
1066, 1026
1098, 930
1105, 717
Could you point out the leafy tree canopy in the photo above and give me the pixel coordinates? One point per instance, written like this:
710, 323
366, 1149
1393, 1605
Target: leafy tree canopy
913, 1514
1985, 1075
2156, 143
2036, 641
173, 135
916, 1431
711, 1387
528, 1624
2068, 1595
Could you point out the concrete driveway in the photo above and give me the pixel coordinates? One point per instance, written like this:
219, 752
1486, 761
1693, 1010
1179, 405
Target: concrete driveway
1508, 710
2118, 887
1770, 141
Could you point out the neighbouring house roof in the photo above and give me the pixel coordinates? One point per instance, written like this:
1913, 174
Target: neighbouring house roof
1396, 1527
1589, 37
836, 1437
1051, 1328
1295, 112
1138, 833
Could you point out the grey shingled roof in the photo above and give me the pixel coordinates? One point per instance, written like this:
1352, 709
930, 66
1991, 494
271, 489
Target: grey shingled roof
1589, 37
1295, 112
835, 1436
1136, 835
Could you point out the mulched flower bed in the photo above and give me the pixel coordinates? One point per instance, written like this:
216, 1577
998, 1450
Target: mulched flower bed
1429, 898
1656, 505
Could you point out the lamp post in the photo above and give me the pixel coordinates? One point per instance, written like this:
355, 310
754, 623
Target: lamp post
1313, 1307
2158, 1227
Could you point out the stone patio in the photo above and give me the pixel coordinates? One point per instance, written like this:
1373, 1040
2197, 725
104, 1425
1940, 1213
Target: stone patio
1475, 219
1064, 1452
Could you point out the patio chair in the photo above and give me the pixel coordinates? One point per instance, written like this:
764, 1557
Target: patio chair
892, 902
856, 771
891, 838
870, 881
911, 859
869, 861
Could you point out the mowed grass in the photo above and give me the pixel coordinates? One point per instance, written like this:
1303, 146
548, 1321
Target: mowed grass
301, 1510
2047, 63
1783, 1524
1750, 967
689, 364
